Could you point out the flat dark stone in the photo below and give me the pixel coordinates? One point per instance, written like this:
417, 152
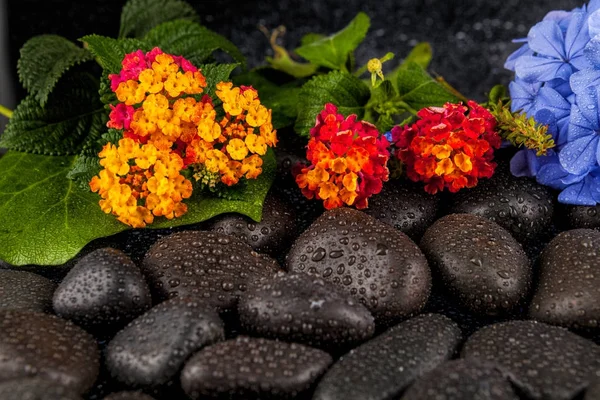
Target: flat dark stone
36, 389
21, 290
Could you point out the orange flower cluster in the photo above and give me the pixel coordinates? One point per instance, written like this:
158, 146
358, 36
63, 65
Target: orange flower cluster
168, 127
448, 147
348, 161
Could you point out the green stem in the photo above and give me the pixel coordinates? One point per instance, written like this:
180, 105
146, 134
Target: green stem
5, 111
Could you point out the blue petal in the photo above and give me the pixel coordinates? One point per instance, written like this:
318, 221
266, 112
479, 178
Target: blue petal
593, 6
512, 59
552, 174
592, 52
550, 99
577, 36
522, 95
577, 194
524, 163
586, 105
561, 86
561, 17
582, 80
594, 23
579, 155
546, 38
535, 69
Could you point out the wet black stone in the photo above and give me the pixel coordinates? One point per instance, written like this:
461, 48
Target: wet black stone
20, 290
151, 350
582, 217
519, 205
369, 259
462, 379
128, 396
568, 288
253, 368
211, 267
593, 391
36, 389
478, 263
39, 345
386, 365
543, 361
304, 309
272, 235
406, 206
104, 291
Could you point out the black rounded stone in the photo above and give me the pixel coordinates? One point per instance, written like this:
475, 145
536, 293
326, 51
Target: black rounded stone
461, 380
211, 267
478, 263
582, 217
383, 367
36, 389
543, 361
405, 206
593, 391
520, 205
151, 350
253, 368
20, 290
368, 259
39, 345
568, 289
304, 309
128, 396
103, 291
272, 235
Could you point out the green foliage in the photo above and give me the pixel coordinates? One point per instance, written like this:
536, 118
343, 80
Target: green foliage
46, 219
110, 52
346, 91
418, 89
44, 59
333, 51
497, 94
215, 73
72, 117
310, 38
383, 106
192, 41
140, 16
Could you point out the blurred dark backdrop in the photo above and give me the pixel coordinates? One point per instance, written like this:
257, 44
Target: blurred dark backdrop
471, 39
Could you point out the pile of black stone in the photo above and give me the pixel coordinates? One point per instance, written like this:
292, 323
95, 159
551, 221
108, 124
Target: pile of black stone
491, 293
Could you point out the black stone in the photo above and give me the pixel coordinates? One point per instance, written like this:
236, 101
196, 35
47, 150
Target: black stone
39, 345
593, 391
151, 350
582, 217
304, 309
541, 360
104, 291
36, 389
20, 290
460, 380
211, 267
386, 365
128, 396
520, 205
369, 259
405, 206
568, 289
253, 368
478, 263
272, 235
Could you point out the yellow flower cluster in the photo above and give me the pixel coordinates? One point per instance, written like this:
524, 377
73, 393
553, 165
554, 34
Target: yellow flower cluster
168, 128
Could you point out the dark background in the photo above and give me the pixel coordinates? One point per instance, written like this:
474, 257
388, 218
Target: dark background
470, 39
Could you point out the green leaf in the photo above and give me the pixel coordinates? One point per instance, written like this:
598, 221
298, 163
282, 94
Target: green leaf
140, 16
192, 41
420, 54
215, 73
72, 117
310, 38
418, 89
346, 91
44, 59
282, 100
383, 106
46, 220
110, 52
332, 51
497, 94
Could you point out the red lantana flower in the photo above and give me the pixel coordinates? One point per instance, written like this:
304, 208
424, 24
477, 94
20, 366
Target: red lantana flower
448, 147
348, 161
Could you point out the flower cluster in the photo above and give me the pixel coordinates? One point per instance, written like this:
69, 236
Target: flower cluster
348, 160
557, 81
448, 147
168, 126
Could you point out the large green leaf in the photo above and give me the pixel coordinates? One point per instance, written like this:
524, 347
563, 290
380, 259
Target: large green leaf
332, 51
46, 219
192, 41
110, 52
418, 89
140, 16
73, 116
346, 91
44, 59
